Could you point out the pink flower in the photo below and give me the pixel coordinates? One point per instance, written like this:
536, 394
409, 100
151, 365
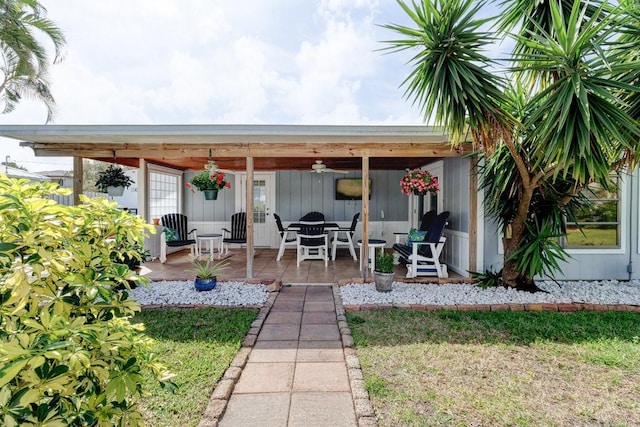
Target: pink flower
419, 180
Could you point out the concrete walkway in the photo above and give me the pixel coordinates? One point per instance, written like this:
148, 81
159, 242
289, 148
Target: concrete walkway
298, 373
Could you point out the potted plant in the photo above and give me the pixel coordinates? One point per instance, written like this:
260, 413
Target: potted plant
383, 273
113, 181
209, 182
207, 273
419, 182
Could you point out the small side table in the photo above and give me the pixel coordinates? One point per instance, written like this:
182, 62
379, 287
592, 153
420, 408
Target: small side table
210, 240
373, 244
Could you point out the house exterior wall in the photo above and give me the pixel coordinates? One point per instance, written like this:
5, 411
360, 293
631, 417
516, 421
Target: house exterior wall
300, 192
196, 208
588, 264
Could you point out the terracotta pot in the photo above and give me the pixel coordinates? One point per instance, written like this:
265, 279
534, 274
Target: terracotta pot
156, 221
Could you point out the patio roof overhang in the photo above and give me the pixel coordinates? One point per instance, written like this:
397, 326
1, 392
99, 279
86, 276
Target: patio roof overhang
272, 147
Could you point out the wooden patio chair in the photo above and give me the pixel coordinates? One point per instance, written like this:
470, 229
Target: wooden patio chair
238, 232
174, 235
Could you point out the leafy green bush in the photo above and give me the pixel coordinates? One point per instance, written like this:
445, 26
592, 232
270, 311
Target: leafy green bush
68, 352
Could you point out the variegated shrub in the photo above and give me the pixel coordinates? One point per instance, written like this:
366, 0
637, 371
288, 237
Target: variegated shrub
68, 352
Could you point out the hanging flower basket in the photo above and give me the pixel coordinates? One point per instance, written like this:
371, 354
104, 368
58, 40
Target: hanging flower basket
209, 183
419, 182
210, 194
111, 177
115, 191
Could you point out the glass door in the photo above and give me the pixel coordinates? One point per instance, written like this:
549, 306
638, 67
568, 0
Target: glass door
264, 227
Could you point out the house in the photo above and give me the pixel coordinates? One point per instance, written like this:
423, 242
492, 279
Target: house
23, 174
279, 160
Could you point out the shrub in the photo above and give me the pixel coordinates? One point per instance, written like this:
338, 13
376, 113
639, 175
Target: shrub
68, 352
384, 262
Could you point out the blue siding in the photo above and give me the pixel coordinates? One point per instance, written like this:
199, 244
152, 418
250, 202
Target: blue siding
198, 209
300, 192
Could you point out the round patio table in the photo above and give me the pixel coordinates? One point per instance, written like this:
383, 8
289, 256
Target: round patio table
373, 244
209, 240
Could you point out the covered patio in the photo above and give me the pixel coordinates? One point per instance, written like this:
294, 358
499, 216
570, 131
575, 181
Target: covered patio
248, 150
341, 270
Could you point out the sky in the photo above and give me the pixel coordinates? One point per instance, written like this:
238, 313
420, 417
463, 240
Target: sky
213, 62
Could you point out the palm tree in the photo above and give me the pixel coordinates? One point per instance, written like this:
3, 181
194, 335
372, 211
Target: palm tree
25, 60
560, 116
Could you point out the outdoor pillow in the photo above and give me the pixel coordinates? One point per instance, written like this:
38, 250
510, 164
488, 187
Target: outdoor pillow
415, 235
170, 234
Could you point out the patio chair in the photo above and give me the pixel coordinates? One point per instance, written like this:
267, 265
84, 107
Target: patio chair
175, 235
313, 216
347, 239
284, 236
425, 223
238, 232
312, 242
422, 258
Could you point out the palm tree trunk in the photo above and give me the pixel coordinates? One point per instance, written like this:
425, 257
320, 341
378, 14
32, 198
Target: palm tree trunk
510, 275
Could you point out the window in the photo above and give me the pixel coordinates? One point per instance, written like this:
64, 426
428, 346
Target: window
599, 224
259, 201
163, 191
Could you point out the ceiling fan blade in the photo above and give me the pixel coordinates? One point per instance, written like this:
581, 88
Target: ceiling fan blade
335, 170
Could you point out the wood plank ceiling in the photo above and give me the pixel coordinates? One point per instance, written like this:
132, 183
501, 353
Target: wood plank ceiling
272, 147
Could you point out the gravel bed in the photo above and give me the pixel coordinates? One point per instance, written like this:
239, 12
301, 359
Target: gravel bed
236, 294
591, 292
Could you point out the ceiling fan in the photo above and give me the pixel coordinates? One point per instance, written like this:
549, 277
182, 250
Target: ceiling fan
320, 167
212, 167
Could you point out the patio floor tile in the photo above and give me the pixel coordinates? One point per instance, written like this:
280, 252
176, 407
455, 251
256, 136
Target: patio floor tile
265, 378
279, 332
321, 376
273, 351
315, 317
322, 409
319, 332
283, 317
283, 305
266, 409
319, 306
320, 351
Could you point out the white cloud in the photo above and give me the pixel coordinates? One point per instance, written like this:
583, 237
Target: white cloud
197, 61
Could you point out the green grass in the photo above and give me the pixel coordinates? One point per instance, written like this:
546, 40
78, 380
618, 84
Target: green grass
198, 346
500, 368
592, 237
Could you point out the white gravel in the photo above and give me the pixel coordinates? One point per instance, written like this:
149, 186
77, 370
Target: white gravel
236, 294
598, 292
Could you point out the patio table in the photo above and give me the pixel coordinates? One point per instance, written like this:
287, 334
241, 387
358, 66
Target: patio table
295, 227
373, 244
209, 240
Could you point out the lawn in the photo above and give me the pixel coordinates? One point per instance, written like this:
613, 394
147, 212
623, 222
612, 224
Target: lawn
198, 346
500, 368
592, 237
